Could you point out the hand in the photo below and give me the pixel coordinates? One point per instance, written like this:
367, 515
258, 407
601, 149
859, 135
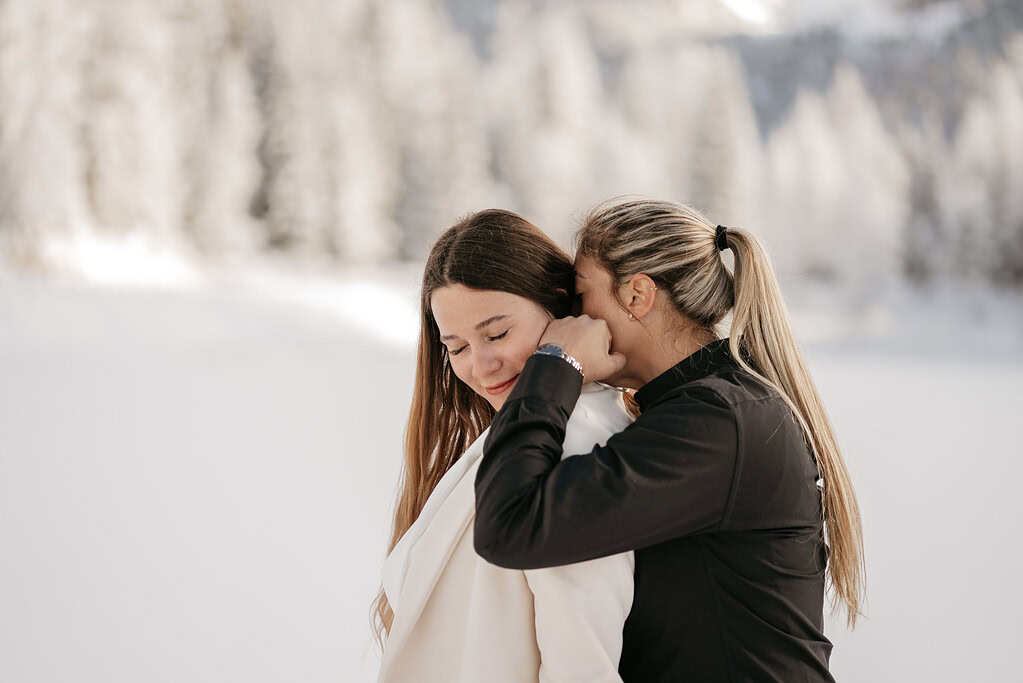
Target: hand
589, 342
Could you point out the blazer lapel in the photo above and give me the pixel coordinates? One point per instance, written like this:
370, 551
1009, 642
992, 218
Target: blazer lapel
430, 556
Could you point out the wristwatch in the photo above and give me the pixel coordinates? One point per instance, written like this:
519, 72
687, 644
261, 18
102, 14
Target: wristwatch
558, 352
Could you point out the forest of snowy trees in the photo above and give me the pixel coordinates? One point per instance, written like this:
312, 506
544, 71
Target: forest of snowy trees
355, 130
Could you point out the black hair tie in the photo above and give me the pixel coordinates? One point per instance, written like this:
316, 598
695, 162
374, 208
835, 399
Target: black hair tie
721, 238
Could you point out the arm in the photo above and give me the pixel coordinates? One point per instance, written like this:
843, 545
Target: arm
667, 475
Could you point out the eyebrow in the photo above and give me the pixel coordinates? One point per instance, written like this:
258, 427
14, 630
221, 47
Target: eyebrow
479, 326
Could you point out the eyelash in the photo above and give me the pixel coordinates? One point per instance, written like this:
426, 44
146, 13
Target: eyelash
490, 339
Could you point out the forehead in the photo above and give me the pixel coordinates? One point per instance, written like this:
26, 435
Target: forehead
458, 309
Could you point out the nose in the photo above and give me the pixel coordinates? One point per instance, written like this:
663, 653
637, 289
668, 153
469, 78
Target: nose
485, 364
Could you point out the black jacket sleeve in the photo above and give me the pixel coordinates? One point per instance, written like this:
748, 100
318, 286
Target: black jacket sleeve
669, 474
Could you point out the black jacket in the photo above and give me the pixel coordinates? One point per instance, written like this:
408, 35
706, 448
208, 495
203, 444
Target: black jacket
713, 487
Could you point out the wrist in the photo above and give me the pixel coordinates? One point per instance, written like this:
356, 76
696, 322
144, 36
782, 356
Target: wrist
556, 350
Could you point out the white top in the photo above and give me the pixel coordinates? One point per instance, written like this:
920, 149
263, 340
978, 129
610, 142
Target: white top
591, 599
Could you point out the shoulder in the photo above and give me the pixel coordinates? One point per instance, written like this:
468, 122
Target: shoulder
728, 392
599, 403
691, 418
738, 407
700, 398
598, 414
736, 386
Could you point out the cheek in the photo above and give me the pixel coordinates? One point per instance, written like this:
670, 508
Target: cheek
462, 369
519, 348
606, 309
598, 307
519, 353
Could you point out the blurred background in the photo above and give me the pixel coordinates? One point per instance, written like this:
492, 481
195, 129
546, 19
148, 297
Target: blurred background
213, 216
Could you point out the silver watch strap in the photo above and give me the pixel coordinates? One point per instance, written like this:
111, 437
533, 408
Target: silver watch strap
558, 352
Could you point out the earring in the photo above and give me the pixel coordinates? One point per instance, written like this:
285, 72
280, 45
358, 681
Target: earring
631, 316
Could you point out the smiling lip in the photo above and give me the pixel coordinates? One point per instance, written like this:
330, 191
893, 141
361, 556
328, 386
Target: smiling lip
498, 388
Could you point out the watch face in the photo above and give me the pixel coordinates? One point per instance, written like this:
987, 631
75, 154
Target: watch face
552, 349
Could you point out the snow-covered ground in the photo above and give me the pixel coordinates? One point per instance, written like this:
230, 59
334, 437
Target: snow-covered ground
195, 481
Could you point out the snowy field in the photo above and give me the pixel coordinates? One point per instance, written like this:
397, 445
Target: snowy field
195, 482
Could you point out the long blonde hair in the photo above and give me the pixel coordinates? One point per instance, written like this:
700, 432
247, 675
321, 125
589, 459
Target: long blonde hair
489, 250
676, 246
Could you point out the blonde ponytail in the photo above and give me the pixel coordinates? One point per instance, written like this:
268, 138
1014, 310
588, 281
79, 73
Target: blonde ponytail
678, 247
761, 333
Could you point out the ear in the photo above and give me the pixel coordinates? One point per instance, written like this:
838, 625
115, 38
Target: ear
640, 294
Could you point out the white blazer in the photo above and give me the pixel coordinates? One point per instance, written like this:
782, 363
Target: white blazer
460, 619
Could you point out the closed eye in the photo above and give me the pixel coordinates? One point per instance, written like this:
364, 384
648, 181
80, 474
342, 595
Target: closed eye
455, 352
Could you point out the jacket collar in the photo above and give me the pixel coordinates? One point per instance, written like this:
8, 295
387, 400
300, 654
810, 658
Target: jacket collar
696, 366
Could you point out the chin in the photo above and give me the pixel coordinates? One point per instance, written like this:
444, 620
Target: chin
496, 401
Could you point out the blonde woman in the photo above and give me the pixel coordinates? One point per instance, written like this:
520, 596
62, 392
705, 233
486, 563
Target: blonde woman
716, 484
492, 284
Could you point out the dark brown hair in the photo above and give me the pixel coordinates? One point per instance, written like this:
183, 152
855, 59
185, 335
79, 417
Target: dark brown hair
489, 250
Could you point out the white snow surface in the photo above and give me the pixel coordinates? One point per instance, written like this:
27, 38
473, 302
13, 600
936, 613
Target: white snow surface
196, 481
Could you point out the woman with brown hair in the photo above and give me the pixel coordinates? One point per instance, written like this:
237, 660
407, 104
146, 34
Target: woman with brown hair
492, 284
726, 485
